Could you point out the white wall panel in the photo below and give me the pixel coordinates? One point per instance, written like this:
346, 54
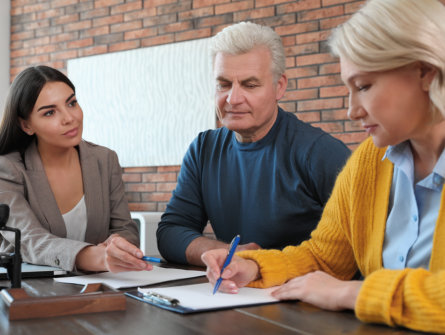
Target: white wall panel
4, 51
146, 104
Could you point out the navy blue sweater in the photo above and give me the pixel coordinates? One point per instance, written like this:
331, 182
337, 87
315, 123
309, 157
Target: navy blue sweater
271, 192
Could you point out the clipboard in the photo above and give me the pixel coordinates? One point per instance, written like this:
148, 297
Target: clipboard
170, 307
196, 298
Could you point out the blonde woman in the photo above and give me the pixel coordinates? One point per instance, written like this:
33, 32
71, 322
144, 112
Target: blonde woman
386, 215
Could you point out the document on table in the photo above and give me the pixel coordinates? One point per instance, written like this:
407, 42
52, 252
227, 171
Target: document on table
132, 278
199, 297
35, 271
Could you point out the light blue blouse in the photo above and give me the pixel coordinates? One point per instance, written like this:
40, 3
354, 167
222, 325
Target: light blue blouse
412, 212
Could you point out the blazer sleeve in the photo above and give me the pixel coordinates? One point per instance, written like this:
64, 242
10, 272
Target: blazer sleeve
120, 219
38, 245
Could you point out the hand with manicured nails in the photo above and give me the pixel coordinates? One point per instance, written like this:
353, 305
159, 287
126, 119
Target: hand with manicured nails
115, 254
237, 274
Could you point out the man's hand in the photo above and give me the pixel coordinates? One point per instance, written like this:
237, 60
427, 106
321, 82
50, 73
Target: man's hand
322, 290
202, 244
248, 246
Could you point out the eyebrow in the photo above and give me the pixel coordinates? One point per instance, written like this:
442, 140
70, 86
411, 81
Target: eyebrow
359, 74
352, 78
52, 106
221, 78
255, 79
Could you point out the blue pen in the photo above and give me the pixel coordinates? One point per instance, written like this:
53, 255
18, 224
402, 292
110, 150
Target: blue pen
151, 259
232, 248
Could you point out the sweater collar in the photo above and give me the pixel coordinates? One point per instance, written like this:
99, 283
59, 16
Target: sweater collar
262, 142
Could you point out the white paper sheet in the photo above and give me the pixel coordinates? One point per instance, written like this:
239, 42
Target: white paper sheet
200, 296
132, 278
33, 270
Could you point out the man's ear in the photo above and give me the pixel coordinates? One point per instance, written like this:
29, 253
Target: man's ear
25, 126
427, 74
281, 86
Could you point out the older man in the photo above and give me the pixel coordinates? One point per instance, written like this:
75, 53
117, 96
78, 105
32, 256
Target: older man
265, 174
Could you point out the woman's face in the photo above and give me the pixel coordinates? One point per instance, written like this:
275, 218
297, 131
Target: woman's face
56, 119
393, 106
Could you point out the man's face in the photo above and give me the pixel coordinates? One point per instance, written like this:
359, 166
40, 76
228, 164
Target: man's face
246, 94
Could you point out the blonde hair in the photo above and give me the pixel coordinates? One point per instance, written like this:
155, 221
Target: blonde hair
387, 34
243, 37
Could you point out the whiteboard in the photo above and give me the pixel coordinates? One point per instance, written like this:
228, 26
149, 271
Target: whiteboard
147, 104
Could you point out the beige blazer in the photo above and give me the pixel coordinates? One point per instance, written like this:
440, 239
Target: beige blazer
33, 208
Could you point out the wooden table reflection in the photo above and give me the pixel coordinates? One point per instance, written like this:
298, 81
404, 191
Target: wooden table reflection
142, 318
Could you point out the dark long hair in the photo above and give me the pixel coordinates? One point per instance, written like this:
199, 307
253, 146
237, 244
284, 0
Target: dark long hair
22, 96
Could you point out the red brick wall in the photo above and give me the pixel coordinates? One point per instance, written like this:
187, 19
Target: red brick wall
54, 31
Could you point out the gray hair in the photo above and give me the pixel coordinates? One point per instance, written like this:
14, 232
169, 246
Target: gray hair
243, 37
387, 34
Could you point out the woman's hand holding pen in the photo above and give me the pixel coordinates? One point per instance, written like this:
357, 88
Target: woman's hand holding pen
115, 254
121, 255
237, 274
317, 288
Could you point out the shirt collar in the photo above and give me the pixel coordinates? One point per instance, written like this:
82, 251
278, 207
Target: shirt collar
401, 156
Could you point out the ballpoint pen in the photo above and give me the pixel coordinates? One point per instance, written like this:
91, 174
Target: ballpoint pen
151, 259
232, 248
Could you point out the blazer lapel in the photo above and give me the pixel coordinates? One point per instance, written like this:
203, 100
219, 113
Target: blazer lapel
91, 176
42, 193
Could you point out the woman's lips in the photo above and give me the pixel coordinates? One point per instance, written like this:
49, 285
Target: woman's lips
370, 129
72, 132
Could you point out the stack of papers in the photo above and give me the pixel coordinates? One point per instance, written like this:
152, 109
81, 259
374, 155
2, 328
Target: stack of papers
132, 278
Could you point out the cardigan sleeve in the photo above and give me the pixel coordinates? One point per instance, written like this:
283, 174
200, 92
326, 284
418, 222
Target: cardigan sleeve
413, 298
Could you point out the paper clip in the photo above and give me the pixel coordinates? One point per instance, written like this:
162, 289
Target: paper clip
159, 298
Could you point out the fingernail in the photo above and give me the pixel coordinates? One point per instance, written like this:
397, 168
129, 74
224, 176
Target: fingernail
233, 289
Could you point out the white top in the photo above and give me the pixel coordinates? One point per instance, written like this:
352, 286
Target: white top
76, 221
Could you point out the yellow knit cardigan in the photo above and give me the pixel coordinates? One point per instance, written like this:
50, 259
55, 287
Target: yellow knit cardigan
350, 236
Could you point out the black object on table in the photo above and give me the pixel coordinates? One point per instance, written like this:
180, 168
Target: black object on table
12, 261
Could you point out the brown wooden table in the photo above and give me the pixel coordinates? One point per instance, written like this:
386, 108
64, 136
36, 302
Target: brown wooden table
143, 318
